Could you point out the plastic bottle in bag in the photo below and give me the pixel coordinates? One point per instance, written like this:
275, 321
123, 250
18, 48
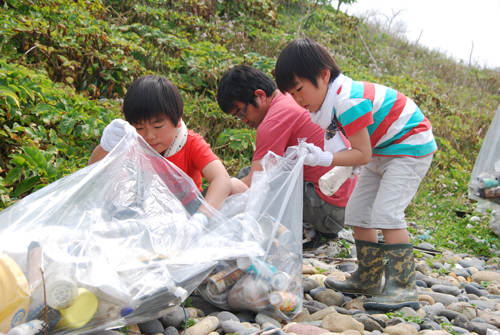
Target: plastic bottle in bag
249, 293
34, 327
257, 267
61, 288
285, 301
282, 281
331, 181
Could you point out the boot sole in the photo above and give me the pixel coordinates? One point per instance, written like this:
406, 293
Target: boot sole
387, 307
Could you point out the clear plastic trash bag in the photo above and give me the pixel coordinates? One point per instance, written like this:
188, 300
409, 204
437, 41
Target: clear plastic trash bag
270, 284
114, 244
485, 176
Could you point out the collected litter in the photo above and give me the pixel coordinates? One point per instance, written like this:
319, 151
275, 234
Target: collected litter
111, 245
271, 283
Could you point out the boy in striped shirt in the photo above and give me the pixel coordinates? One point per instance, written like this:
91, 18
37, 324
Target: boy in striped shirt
391, 139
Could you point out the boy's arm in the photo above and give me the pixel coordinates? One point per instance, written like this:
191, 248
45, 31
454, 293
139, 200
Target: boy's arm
219, 183
360, 153
98, 154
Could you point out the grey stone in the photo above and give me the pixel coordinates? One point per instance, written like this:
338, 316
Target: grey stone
472, 289
226, 316
481, 304
231, 326
151, 327
315, 303
462, 297
309, 284
460, 330
427, 246
246, 317
316, 290
482, 328
394, 321
414, 324
249, 331
453, 290
312, 323
311, 309
263, 318
433, 310
472, 263
205, 306
173, 318
461, 272
370, 323
450, 315
463, 322
431, 325
445, 299
437, 265
420, 283
170, 331
478, 320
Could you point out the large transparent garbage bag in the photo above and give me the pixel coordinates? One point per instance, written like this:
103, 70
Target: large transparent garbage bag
271, 283
110, 244
485, 177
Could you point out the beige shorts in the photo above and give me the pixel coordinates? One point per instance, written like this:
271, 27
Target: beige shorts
385, 188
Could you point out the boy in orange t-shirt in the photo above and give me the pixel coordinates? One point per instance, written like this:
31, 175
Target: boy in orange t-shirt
153, 107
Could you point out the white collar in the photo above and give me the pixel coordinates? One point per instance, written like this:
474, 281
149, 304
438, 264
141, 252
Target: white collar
323, 117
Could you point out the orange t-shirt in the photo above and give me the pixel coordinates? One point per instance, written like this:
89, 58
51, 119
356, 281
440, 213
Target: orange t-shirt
193, 157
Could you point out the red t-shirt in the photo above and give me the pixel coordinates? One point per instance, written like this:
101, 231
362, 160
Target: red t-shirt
193, 157
283, 125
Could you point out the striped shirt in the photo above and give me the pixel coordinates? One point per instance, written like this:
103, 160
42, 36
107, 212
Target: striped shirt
396, 125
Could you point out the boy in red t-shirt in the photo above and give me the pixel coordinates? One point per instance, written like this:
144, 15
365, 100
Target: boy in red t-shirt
153, 107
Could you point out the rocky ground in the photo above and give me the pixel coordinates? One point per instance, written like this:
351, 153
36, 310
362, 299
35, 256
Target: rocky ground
463, 299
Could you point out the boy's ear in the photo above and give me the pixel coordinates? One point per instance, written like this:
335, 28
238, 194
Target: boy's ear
179, 123
260, 93
325, 75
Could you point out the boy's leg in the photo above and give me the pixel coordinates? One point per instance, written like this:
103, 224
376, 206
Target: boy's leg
401, 177
367, 279
400, 182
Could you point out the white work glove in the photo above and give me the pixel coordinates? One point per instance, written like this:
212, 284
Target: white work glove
355, 171
197, 222
316, 156
114, 132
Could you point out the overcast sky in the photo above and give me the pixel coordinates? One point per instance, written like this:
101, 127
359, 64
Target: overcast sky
448, 25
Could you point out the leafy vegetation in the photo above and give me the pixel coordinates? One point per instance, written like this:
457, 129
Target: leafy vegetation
65, 66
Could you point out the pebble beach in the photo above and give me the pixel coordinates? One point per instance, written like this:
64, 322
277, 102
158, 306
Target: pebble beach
459, 294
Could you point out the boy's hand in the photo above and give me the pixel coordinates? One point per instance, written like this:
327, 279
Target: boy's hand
114, 132
316, 156
197, 222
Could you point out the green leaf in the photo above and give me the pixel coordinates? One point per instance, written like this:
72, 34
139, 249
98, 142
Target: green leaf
26, 185
18, 161
5, 91
14, 175
36, 155
67, 124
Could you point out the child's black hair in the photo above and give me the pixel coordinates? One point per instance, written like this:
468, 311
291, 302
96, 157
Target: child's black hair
239, 84
152, 98
303, 58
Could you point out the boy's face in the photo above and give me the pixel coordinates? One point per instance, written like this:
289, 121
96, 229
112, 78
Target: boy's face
253, 116
159, 134
309, 96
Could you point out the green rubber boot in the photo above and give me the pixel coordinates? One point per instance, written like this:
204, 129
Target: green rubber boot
368, 277
400, 289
